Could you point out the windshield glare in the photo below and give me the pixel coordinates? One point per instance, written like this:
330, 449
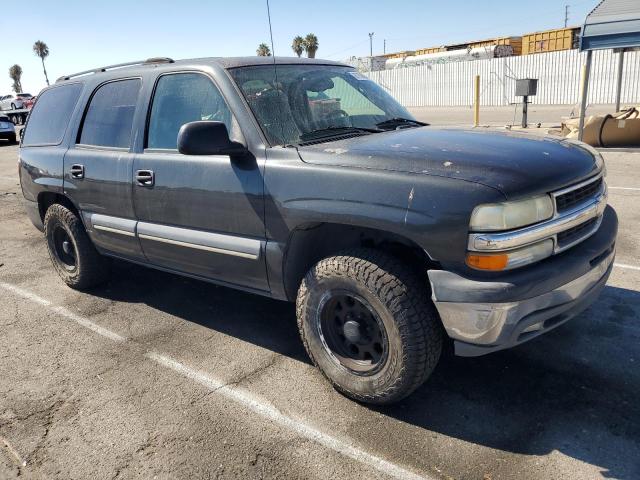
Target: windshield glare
307, 98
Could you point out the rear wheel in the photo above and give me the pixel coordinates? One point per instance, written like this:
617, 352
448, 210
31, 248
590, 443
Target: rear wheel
366, 321
73, 255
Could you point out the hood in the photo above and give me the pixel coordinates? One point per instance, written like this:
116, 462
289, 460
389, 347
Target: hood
516, 164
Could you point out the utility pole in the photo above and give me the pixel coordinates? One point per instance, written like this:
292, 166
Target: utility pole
566, 15
384, 46
371, 51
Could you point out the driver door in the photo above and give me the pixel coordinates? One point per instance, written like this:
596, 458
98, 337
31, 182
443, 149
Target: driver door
198, 214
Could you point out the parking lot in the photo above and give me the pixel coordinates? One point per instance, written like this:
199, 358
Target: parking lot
158, 376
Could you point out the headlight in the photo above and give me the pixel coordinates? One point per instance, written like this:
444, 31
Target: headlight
511, 259
510, 215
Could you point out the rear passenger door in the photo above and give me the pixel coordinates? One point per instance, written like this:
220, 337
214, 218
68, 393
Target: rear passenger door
98, 167
199, 214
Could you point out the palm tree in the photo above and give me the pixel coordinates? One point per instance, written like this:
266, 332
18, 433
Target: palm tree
263, 50
41, 50
311, 45
298, 45
15, 73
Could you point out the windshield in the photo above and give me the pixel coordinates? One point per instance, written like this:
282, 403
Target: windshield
24, 95
307, 99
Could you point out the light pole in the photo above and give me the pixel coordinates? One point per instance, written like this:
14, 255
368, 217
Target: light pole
371, 51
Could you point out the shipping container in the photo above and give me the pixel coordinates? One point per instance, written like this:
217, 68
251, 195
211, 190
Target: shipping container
403, 54
425, 51
514, 42
550, 40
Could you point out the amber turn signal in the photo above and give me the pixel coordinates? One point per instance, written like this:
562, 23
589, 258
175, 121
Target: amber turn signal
495, 262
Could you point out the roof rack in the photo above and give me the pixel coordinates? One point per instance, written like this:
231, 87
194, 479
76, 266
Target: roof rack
148, 61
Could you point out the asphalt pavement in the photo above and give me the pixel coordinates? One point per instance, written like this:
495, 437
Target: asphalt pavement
158, 376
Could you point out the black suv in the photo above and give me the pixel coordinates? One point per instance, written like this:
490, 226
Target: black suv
305, 181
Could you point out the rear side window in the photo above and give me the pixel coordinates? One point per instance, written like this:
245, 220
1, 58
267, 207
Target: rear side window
50, 115
182, 98
109, 118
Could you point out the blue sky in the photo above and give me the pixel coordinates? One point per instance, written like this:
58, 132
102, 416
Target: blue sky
83, 34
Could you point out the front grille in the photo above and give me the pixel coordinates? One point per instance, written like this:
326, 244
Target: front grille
576, 233
573, 198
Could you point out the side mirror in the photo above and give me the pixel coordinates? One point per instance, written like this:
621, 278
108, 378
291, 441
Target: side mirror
207, 138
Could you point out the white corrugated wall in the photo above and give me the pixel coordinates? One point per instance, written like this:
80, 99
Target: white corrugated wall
451, 84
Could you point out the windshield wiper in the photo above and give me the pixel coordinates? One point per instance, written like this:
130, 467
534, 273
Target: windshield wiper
334, 131
400, 122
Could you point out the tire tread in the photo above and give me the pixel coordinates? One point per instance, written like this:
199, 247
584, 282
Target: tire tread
403, 292
93, 268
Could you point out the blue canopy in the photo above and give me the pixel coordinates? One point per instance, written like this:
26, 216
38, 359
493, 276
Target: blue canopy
612, 24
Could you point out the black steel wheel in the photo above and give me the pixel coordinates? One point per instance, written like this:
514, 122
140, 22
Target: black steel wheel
64, 248
73, 255
367, 323
352, 331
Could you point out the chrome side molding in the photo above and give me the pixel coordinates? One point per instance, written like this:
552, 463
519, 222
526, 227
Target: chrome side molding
182, 237
107, 223
199, 240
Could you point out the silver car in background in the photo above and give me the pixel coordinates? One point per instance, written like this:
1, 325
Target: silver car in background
11, 102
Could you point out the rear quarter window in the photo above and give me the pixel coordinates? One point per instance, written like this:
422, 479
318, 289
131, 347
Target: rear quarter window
109, 117
50, 115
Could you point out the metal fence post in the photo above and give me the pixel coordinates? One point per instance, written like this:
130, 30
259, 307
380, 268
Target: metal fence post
619, 79
586, 70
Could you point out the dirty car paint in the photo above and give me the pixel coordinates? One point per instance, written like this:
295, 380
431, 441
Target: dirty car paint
517, 165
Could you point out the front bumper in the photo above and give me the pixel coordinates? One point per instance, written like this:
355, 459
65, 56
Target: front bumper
485, 315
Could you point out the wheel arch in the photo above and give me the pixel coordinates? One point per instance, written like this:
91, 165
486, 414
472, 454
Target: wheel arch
46, 199
310, 243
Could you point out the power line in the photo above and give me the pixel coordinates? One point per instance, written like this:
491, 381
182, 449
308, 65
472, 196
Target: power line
346, 49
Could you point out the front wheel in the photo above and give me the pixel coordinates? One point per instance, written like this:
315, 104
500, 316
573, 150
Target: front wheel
367, 323
73, 255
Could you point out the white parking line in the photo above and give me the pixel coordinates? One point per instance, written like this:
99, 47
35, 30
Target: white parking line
624, 265
19, 460
264, 409
64, 312
624, 188
240, 396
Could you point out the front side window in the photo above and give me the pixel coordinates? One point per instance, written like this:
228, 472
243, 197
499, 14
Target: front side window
51, 114
294, 103
182, 98
109, 118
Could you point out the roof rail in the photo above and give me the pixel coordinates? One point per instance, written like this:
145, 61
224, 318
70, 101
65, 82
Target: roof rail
148, 61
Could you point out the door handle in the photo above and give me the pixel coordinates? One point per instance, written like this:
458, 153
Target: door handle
144, 178
77, 171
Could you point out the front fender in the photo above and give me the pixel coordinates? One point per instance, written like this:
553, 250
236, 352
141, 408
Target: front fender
431, 211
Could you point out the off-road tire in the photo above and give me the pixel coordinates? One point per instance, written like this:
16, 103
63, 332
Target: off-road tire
401, 299
91, 268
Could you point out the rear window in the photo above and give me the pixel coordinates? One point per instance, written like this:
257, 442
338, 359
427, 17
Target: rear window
50, 115
109, 118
